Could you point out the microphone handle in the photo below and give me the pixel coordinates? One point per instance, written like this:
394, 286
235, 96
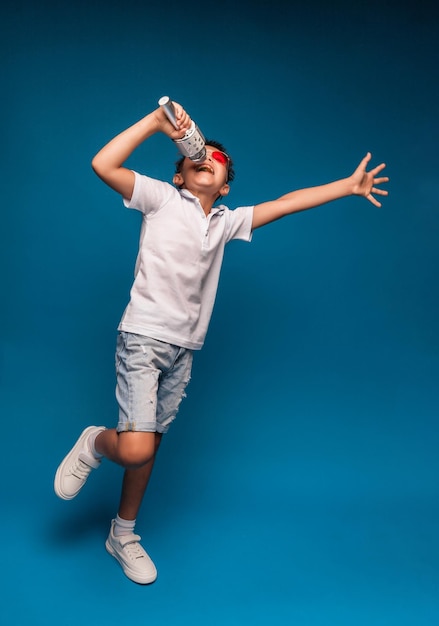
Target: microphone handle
166, 103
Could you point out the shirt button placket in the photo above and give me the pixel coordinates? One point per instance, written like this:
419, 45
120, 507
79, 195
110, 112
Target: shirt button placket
206, 225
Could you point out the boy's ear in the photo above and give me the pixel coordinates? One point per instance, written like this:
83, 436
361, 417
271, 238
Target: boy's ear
178, 179
224, 190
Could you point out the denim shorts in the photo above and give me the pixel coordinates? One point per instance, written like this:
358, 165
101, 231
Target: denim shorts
151, 380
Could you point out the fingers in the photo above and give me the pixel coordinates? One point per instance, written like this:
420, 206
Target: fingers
376, 191
364, 161
380, 192
378, 169
373, 200
182, 118
383, 179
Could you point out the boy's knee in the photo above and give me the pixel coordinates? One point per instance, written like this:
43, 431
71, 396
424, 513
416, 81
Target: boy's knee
136, 449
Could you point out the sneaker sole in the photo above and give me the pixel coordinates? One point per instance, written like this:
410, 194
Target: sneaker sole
134, 576
66, 461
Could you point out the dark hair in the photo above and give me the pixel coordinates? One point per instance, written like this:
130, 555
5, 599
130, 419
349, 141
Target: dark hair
218, 146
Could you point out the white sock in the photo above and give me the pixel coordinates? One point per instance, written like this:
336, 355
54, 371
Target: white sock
123, 526
93, 450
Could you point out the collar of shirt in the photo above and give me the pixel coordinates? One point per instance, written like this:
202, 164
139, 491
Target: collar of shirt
190, 196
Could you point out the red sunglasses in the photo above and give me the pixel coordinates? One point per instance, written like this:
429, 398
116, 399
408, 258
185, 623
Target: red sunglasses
221, 157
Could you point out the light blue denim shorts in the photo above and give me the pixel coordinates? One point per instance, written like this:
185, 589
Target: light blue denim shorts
151, 380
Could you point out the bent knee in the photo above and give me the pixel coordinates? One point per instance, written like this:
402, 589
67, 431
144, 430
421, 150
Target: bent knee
135, 449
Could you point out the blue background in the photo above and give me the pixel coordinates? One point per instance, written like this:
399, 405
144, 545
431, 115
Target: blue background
299, 484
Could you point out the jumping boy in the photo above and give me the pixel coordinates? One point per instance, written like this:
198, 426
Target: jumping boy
181, 248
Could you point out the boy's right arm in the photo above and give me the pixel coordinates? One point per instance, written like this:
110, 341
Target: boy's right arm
108, 162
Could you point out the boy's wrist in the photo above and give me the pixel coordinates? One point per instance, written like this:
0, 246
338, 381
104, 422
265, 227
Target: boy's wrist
350, 185
153, 121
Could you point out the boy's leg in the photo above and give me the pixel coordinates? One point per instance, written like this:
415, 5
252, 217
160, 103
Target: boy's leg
121, 542
135, 482
137, 449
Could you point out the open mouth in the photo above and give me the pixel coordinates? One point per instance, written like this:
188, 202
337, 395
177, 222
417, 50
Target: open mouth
205, 168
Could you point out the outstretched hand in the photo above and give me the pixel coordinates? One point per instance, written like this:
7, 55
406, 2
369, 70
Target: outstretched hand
365, 183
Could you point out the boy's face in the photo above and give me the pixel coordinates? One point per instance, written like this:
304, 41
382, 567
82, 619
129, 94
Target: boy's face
209, 176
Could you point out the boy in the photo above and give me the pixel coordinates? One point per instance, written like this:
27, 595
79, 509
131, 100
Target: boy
181, 248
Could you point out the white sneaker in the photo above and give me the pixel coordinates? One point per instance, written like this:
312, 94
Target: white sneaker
74, 470
134, 561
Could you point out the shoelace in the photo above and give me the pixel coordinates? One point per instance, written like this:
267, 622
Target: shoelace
134, 551
81, 470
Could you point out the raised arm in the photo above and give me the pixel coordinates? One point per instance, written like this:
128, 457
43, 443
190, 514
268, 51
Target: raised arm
361, 183
108, 162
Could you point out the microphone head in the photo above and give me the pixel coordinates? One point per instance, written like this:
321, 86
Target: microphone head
200, 157
192, 145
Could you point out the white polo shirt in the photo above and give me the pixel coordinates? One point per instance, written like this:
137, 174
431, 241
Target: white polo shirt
179, 262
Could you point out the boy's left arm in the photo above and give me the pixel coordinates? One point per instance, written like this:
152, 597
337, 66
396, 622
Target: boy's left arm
360, 183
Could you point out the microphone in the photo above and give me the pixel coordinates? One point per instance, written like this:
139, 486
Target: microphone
192, 145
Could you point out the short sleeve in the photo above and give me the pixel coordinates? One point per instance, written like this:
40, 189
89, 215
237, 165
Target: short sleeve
239, 223
149, 194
